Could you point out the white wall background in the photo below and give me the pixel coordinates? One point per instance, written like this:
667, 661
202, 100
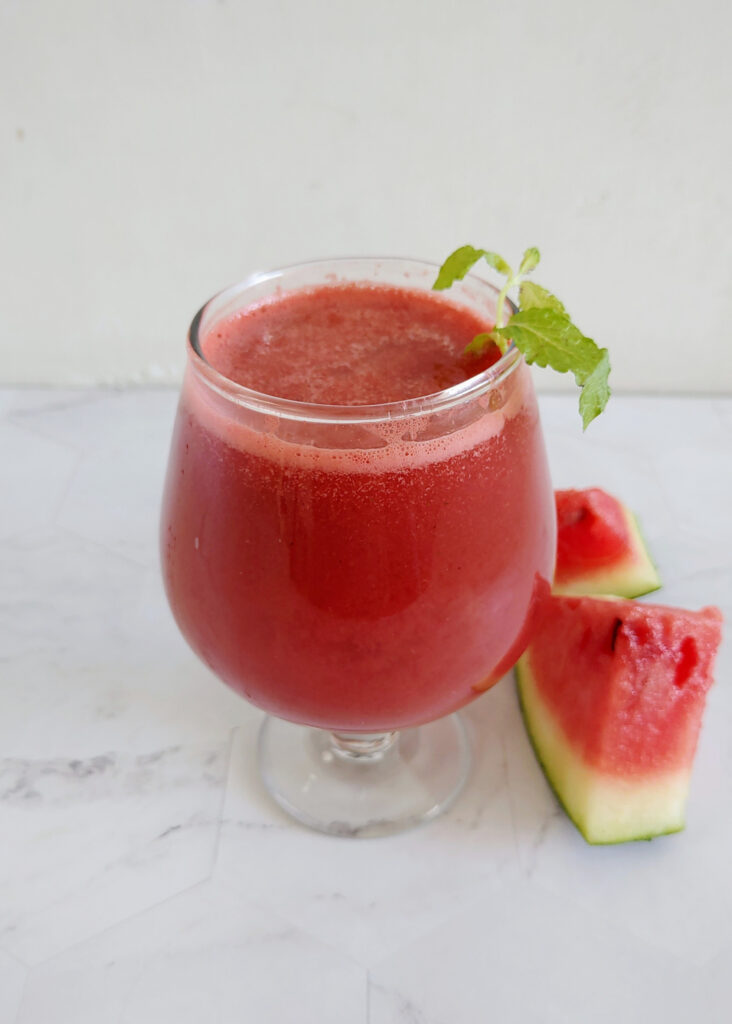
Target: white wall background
153, 151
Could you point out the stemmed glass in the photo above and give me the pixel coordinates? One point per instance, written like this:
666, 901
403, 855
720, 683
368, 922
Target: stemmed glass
359, 572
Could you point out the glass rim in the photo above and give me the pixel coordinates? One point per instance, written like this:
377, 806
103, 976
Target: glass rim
313, 412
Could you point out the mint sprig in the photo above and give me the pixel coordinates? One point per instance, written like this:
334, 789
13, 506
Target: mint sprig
541, 329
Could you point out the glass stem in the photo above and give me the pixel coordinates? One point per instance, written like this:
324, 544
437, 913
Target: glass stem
362, 746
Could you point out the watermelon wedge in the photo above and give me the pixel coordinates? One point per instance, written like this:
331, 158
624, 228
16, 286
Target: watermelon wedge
612, 693
600, 549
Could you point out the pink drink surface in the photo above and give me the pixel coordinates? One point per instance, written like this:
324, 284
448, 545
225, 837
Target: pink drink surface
348, 345
355, 584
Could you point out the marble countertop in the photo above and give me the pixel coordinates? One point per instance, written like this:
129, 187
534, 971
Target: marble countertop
145, 876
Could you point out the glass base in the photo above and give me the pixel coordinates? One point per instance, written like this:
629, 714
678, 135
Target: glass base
364, 784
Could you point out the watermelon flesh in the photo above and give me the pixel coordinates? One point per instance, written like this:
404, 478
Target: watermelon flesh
612, 693
600, 549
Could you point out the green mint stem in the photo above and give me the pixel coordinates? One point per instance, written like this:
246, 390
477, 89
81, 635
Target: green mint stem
501, 305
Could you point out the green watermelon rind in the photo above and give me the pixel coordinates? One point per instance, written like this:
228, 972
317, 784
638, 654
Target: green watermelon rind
636, 576
522, 670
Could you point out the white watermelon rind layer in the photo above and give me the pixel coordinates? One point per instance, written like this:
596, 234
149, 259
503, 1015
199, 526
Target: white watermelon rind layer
632, 577
605, 808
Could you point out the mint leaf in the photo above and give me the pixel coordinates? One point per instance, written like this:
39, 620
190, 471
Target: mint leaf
497, 262
456, 266
549, 338
541, 329
529, 260
596, 391
533, 296
462, 260
481, 342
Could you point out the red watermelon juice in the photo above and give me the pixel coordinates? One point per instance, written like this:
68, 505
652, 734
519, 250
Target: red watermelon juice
348, 553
